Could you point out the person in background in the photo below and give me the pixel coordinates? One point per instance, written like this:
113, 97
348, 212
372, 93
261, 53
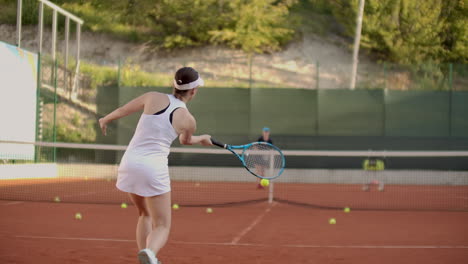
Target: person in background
265, 137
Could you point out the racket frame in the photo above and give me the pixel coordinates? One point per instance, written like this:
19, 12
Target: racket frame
233, 148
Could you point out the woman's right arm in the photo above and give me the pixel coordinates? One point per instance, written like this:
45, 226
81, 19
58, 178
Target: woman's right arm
131, 107
185, 125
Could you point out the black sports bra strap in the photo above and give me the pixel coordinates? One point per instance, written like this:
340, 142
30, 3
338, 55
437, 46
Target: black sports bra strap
162, 111
170, 116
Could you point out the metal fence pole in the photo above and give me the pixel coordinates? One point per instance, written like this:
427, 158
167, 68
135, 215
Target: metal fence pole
450, 98
41, 26
19, 9
317, 75
119, 69
357, 41
65, 70
55, 109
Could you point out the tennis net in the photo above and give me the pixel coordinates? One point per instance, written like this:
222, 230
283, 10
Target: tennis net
366, 180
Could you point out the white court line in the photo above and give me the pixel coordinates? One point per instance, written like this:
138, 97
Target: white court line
13, 203
262, 245
81, 194
252, 225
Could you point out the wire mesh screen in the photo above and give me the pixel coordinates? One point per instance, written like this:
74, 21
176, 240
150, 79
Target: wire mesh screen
85, 173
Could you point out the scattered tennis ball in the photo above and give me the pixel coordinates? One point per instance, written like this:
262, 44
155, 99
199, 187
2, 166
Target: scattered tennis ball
332, 221
175, 206
264, 182
209, 210
347, 210
78, 216
57, 199
123, 205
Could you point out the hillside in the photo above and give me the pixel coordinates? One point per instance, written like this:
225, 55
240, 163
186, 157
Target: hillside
294, 66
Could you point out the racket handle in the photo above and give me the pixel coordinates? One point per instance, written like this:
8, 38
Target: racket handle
221, 145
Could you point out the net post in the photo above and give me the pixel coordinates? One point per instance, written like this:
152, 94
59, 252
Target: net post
271, 185
271, 192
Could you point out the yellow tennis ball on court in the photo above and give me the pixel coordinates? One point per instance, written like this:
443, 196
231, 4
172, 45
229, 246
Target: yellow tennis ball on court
123, 205
57, 199
175, 206
78, 216
264, 182
332, 221
347, 210
209, 210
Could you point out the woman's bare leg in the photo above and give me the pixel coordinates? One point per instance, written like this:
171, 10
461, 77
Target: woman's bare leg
144, 225
159, 208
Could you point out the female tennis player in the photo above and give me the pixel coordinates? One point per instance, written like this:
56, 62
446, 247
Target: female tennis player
143, 171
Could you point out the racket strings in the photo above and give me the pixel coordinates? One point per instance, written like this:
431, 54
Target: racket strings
263, 160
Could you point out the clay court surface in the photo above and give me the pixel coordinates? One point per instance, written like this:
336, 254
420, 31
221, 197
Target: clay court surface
45, 232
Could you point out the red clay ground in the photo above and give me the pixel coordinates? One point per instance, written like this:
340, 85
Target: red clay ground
44, 233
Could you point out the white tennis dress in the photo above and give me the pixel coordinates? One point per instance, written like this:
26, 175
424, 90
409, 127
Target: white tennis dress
144, 170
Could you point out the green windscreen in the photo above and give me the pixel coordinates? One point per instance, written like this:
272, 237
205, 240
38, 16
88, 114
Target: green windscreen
350, 112
459, 111
285, 111
417, 113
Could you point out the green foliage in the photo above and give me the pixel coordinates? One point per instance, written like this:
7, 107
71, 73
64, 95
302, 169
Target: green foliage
96, 76
29, 12
407, 31
185, 23
455, 33
313, 16
258, 25
7, 12
254, 26
104, 21
71, 126
133, 76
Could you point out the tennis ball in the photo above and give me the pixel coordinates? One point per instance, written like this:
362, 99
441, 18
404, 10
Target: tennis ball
57, 199
123, 205
347, 210
78, 216
175, 206
209, 210
264, 182
332, 221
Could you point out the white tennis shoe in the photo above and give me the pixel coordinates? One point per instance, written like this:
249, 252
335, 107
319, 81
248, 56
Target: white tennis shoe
146, 256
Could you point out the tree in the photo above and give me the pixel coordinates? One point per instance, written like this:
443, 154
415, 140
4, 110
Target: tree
455, 33
257, 26
407, 31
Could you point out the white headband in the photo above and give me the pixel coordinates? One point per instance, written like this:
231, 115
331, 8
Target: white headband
191, 85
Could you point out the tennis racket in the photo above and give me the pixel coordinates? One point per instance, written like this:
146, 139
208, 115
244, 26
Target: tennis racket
262, 159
